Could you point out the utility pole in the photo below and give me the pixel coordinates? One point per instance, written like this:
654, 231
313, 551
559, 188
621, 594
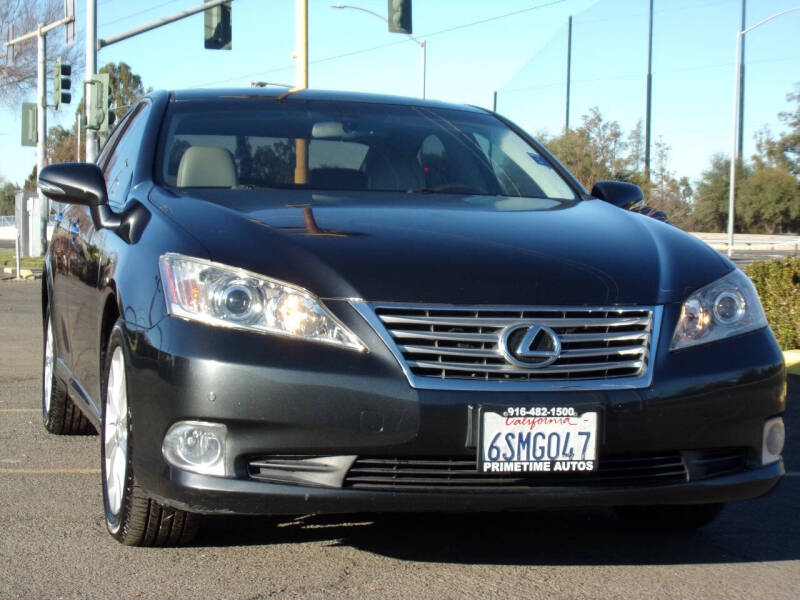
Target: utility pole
91, 70
648, 106
301, 44
741, 86
569, 67
301, 83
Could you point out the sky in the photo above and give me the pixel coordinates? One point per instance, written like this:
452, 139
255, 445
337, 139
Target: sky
474, 48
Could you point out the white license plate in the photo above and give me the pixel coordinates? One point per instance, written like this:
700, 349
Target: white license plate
539, 439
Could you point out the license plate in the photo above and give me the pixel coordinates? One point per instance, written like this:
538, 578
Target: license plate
539, 439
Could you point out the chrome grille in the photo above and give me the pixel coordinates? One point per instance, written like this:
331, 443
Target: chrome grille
463, 343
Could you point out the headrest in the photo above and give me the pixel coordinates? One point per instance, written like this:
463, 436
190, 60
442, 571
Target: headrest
206, 166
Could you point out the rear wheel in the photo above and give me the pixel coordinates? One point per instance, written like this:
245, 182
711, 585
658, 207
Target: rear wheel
669, 517
59, 413
131, 517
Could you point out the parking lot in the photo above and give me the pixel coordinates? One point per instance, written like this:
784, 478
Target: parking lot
53, 542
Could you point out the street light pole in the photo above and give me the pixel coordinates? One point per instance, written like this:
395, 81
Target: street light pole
421, 43
737, 91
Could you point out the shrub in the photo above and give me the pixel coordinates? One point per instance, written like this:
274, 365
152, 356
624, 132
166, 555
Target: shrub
778, 284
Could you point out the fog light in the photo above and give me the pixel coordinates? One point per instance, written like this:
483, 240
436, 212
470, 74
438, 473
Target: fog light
196, 446
774, 438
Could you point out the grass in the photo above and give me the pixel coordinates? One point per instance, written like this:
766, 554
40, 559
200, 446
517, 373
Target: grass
7, 259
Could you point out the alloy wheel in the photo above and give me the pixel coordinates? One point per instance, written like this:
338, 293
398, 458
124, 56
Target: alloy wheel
48, 368
116, 432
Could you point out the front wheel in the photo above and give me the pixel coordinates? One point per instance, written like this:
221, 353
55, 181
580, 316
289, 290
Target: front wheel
131, 517
669, 517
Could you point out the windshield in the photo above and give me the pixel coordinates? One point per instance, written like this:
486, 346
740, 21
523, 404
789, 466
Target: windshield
326, 145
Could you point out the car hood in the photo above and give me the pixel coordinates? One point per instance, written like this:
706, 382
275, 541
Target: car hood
447, 249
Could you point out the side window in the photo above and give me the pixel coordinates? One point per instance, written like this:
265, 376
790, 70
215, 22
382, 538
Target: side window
119, 165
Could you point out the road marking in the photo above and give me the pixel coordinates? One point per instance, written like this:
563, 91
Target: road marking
49, 471
20, 410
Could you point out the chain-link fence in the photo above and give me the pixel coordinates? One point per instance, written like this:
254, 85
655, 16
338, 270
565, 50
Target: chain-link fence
692, 75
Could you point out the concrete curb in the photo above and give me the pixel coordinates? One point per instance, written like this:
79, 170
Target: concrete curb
792, 360
24, 273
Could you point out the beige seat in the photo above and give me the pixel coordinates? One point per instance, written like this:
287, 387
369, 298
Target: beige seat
206, 166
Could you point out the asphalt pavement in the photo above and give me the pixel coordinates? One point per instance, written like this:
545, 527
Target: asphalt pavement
53, 542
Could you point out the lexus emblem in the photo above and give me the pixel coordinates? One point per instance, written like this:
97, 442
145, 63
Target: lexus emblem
530, 345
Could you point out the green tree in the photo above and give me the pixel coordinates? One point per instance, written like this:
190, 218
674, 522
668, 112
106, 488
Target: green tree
60, 145
30, 181
126, 86
7, 192
592, 152
668, 194
711, 195
770, 201
783, 152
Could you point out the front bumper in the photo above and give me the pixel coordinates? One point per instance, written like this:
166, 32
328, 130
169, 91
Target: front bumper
284, 397
214, 495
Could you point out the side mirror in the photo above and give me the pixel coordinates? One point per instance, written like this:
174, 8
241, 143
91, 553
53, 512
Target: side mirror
619, 193
74, 183
79, 183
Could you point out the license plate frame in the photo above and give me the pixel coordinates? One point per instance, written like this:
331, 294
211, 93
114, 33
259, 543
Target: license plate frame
531, 420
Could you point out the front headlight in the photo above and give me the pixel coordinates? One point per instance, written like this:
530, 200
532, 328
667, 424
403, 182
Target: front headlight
727, 307
216, 294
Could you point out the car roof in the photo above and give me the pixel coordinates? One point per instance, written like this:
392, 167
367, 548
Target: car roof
275, 92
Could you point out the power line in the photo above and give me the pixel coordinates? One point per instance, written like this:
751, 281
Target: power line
136, 14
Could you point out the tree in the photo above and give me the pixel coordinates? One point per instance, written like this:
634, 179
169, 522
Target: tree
7, 193
783, 152
61, 145
770, 201
711, 195
667, 193
30, 181
593, 151
636, 152
126, 86
19, 80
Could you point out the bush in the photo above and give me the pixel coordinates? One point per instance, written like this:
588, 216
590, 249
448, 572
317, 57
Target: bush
778, 284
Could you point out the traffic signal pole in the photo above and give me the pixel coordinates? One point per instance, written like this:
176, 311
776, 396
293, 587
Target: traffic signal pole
40, 233
91, 69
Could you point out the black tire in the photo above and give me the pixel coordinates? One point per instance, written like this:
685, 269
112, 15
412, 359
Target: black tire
139, 520
59, 414
669, 517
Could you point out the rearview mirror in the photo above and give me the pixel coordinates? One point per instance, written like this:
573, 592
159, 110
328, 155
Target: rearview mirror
79, 183
619, 193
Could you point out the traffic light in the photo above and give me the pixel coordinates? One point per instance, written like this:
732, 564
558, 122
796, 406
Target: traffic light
400, 16
99, 115
61, 84
218, 32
